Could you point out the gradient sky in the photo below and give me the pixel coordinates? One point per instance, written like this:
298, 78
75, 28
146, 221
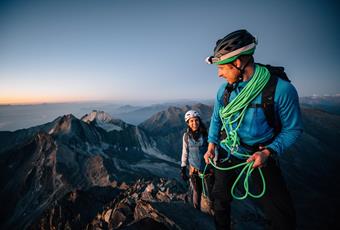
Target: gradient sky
124, 50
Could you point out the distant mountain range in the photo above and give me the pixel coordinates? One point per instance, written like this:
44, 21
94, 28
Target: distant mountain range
138, 115
329, 104
14, 117
167, 127
42, 166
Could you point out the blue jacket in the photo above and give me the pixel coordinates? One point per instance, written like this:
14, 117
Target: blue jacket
254, 128
193, 151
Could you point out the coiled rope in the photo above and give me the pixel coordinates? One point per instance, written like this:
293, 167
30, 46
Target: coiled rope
232, 116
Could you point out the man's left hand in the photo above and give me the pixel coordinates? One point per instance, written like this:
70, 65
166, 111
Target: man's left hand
259, 158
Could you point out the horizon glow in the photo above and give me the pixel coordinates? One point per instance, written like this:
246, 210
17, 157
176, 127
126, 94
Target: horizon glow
71, 51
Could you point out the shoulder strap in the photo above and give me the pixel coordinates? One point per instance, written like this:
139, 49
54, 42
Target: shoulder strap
186, 138
278, 71
226, 95
269, 93
268, 104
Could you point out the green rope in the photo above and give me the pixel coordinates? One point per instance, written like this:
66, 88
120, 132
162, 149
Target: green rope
233, 114
248, 166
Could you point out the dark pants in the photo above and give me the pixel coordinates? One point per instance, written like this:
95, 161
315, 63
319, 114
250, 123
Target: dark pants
196, 186
276, 202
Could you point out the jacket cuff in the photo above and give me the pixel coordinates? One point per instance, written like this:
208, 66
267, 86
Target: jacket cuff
273, 154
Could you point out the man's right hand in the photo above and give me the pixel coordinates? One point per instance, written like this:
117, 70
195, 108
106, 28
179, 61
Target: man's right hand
210, 154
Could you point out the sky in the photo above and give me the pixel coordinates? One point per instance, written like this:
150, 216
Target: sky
154, 50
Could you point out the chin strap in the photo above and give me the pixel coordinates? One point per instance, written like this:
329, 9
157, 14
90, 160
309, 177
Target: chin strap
240, 76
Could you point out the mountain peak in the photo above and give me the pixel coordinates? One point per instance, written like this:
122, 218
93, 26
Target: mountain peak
97, 115
103, 120
63, 124
173, 117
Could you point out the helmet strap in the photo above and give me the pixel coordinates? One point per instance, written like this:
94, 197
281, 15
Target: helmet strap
242, 69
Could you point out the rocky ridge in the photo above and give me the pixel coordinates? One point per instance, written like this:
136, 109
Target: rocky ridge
151, 204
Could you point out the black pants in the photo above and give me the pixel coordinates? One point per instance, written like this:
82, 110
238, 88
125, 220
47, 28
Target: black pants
276, 202
196, 186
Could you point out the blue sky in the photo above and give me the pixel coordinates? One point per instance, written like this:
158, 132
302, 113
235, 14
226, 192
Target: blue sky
124, 50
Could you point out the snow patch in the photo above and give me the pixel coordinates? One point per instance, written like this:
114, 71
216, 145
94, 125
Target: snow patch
51, 131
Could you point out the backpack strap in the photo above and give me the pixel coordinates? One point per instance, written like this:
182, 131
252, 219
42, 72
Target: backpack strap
268, 104
225, 98
186, 138
226, 95
278, 71
268, 94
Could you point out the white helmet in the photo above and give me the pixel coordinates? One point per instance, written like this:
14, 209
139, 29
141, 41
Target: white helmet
190, 114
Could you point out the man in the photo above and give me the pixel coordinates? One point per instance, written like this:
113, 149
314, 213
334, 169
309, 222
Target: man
240, 131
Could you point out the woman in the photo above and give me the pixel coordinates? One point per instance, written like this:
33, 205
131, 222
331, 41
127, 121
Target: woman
194, 146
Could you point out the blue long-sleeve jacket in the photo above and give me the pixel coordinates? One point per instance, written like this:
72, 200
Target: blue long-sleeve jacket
254, 128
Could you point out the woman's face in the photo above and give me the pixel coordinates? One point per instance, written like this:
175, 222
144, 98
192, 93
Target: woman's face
194, 123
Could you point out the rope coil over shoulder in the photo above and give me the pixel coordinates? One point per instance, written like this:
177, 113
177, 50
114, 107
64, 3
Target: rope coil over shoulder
232, 116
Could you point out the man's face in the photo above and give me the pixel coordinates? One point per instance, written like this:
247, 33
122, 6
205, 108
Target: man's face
228, 72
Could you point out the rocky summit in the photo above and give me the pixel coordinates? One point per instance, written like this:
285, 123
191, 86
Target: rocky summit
154, 204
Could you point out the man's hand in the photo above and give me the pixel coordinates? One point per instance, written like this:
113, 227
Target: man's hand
210, 154
259, 158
